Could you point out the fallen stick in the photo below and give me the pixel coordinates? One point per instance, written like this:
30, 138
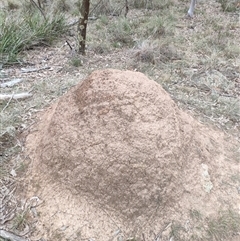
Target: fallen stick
9, 101
10, 83
10, 236
33, 70
15, 96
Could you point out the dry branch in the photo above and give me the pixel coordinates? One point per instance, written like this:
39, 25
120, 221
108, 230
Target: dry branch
10, 236
39, 8
10, 83
33, 70
23, 95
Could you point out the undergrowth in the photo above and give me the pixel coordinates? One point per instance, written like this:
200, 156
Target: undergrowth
23, 30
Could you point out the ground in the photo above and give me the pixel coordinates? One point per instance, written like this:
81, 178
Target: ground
195, 60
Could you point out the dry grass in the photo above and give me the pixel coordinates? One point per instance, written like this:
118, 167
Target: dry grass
195, 60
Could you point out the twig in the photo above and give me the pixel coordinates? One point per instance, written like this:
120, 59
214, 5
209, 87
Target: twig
73, 23
10, 236
7, 103
95, 7
33, 70
23, 95
7, 200
39, 9
69, 45
10, 83
9, 217
39, 4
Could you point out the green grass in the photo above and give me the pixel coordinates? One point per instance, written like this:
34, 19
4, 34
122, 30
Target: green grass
223, 227
228, 6
120, 33
154, 4
76, 61
157, 26
23, 30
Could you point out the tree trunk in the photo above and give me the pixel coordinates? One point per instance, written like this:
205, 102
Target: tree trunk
126, 8
82, 26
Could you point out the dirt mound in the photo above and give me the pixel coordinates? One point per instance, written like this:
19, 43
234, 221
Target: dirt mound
115, 157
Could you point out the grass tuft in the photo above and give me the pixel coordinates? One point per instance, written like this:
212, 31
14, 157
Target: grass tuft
76, 62
225, 226
146, 51
228, 6
120, 32
153, 4
158, 26
20, 31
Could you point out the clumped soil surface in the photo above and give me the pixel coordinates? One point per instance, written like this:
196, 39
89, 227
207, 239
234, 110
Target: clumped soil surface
116, 158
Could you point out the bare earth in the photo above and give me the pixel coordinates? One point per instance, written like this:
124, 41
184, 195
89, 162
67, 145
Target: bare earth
115, 158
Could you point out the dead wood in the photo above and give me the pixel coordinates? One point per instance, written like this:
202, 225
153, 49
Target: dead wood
23, 95
10, 236
10, 83
33, 69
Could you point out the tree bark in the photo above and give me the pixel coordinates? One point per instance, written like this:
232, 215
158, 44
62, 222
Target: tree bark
126, 8
82, 26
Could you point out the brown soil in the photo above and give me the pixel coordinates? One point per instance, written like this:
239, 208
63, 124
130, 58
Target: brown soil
116, 158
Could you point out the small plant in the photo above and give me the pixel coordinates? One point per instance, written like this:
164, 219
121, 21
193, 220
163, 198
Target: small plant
228, 6
226, 225
195, 214
106, 7
22, 167
104, 19
76, 62
20, 221
12, 40
158, 26
151, 4
100, 48
121, 33
20, 31
102, 22
236, 178
62, 6
45, 30
146, 51
139, 4
177, 231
